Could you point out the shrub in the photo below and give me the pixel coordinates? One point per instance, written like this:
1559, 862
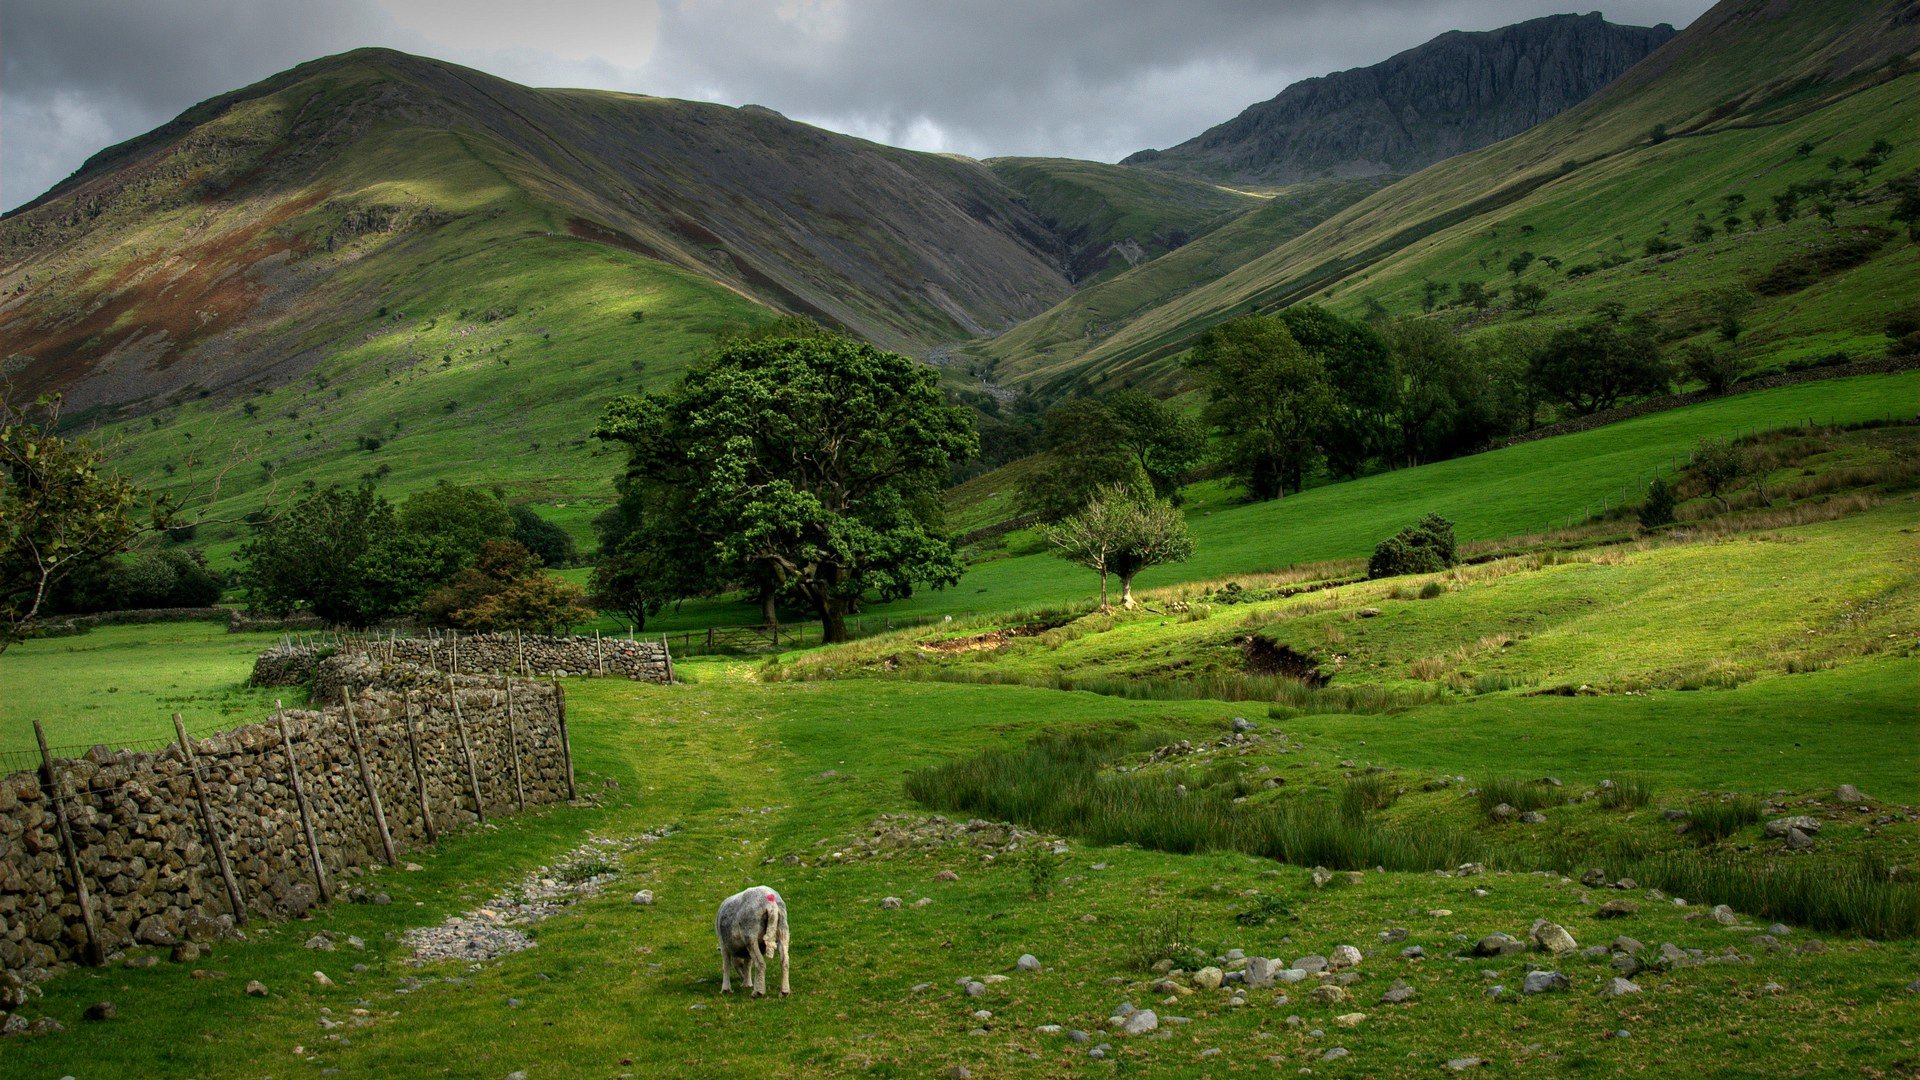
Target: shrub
1432, 589
1264, 910
1364, 793
1659, 245
1041, 867
1657, 509
1796, 272
1418, 549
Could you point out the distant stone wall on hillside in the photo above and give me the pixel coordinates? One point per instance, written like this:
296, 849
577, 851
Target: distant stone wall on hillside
425, 759
527, 654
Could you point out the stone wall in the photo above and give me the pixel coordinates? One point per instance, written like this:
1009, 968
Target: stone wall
146, 855
645, 660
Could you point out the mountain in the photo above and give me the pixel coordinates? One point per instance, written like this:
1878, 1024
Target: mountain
1751, 99
1458, 92
257, 235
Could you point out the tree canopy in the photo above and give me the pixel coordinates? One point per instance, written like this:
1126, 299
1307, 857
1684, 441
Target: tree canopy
1268, 398
814, 464
1121, 532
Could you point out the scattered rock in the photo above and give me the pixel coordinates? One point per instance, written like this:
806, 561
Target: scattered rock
1368, 612
1503, 812
890, 903
1497, 944
643, 898
1208, 978
1350, 1019
1397, 994
959, 1072
1544, 982
1617, 986
321, 978
1616, 909
1553, 938
1779, 827
256, 988
1311, 964
1328, 994
975, 988
1343, 956
1140, 1022
1533, 817
1798, 841
1847, 793
946, 875
1413, 952
1335, 1053
185, 953
1462, 1064
321, 941
141, 961
1724, 915
1241, 723
1322, 877
1027, 962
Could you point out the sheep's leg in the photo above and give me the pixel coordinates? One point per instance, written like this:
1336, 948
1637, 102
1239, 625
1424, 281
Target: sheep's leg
786, 988
726, 967
757, 969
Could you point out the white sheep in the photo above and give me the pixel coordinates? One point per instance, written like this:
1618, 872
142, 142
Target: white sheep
752, 925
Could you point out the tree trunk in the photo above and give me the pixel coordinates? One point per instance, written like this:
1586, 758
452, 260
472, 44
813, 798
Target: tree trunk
769, 607
1126, 592
1103, 591
833, 620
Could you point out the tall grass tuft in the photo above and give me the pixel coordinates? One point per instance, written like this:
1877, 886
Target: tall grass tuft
1520, 794
1286, 697
1718, 820
1060, 783
1627, 793
1365, 793
1854, 896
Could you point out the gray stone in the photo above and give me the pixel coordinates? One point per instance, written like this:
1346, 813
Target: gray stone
1260, 972
1617, 986
256, 988
1335, 1053
1413, 952
1544, 982
1798, 841
1847, 793
1553, 938
1207, 978
1141, 1022
890, 903
1779, 827
975, 988
1397, 994
1779, 929
1241, 723
1343, 956
1027, 962
1462, 1064
1532, 817
1497, 944
643, 898
1311, 964
1076, 1035
1724, 915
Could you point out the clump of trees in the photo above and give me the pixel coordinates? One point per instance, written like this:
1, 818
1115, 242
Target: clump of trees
1122, 532
504, 590
1422, 548
809, 467
351, 557
1129, 438
172, 578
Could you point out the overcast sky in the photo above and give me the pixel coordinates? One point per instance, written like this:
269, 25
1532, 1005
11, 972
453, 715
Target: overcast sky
1074, 78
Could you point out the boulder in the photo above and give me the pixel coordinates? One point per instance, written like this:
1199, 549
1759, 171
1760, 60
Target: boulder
1544, 982
1847, 793
1208, 978
1779, 827
1343, 956
1617, 987
1553, 938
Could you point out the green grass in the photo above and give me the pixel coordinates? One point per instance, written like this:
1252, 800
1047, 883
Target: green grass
746, 773
121, 684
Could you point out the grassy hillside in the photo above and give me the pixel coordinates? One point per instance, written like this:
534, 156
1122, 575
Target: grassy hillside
1737, 92
1114, 217
1045, 354
382, 247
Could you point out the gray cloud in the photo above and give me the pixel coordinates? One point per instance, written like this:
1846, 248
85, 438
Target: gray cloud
1074, 78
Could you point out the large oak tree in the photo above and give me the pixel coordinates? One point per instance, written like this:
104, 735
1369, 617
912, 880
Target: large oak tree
815, 464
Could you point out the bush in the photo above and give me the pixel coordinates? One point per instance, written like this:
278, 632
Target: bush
1424, 548
1657, 510
1796, 272
1627, 793
553, 544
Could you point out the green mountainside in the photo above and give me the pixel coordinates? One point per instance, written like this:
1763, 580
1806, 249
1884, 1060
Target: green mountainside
1733, 99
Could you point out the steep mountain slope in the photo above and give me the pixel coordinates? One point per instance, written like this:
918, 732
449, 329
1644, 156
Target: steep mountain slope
1721, 110
1458, 92
258, 231
1111, 217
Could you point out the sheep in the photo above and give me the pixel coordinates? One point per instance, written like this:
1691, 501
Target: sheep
752, 925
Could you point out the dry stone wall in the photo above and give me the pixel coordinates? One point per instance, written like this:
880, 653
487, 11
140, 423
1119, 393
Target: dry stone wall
441, 754
529, 654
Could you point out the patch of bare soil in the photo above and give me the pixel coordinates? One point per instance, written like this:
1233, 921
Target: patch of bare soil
1264, 656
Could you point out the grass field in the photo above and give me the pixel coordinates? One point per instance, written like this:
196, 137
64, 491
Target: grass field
120, 684
743, 774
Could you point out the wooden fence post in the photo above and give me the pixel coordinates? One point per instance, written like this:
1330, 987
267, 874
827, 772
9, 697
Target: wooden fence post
306, 813
513, 751
219, 846
419, 773
93, 949
466, 751
366, 777
566, 744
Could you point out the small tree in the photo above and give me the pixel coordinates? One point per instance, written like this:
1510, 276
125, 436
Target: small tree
1657, 510
337, 553
1519, 263
553, 544
1591, 367
1122, 534
1716, 369
1528, 296
1719, 466
1269, 399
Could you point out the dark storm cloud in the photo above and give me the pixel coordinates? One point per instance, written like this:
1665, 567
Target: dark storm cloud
1079, 78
